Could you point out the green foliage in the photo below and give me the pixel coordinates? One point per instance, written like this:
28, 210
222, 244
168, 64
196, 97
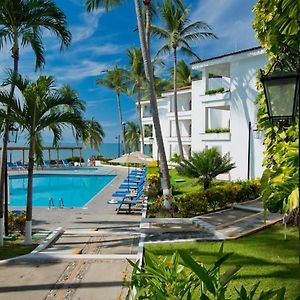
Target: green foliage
277, 27
182, 277
176, 158
191, 204
132, 136
185, 74
218, 196
205, 165
217, 130
16, 222
95, 134
215, 91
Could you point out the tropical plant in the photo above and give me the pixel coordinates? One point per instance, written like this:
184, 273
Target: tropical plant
117, 80
95, 134
22, 23
178, 31
42, 107
205, 165
276, 24
165, 178
181, 277
132, 136
184, 74
137, 75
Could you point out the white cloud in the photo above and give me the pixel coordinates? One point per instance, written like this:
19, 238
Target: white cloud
89, 25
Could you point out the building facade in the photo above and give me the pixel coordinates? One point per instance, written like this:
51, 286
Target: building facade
217, 111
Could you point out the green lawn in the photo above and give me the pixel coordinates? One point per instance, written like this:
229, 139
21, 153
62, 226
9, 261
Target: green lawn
189, 185
12, 249
264, 257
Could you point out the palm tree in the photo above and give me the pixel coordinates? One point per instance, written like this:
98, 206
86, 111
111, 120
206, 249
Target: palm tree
117, 80
178, 32
22, 23
95, 134
165, 178
205, 165
184, 74
42, 107
137, 75
132, 136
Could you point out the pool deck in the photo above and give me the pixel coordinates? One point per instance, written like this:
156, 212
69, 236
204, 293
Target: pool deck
104, 240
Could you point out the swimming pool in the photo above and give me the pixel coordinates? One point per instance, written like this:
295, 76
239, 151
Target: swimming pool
75, 190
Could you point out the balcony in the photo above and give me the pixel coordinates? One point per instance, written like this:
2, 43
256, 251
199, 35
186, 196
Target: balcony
225, 96
222, 136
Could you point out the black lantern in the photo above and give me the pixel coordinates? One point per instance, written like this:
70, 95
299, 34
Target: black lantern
282, 94
13, 134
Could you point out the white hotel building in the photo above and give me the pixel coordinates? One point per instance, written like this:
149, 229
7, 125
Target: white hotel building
200, 113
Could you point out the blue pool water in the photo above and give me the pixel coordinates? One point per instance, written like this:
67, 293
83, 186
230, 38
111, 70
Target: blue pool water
76, 190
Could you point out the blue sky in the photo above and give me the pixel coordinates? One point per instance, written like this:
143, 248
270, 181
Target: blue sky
100, 41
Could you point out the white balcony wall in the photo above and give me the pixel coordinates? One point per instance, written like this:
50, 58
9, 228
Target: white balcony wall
183, 102
184, 127
146, 110
217, 118
216, 83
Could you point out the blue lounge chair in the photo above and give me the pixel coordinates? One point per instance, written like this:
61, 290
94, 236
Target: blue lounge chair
19, 165
10, 165
130, 201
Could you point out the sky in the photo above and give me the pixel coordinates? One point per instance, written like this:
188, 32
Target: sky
100, 40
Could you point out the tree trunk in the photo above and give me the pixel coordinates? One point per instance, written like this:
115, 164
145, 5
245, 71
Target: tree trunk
138, 107
28, 226
121, 122
148, 22
176, 107
206, 183
165, 180
3, 179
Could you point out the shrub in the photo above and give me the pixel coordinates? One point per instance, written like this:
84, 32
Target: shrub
215, 91
152, 164
17, 222
217, 130
154, 186
216, 197
191, 204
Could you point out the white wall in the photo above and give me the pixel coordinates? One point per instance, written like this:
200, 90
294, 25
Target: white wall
243, 109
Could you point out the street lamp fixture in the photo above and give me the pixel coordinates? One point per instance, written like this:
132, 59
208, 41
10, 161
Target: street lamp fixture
282, 93
13, 134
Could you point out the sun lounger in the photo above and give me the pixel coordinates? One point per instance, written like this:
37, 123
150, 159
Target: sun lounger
129, 201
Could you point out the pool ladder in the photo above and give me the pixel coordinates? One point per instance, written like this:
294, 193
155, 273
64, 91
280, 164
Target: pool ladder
60, 203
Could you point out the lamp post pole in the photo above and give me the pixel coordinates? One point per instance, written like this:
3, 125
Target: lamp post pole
124, 142
119, 146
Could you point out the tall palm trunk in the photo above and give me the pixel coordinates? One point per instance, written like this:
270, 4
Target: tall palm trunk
175, 105
138, 107
165, 180
3, 175
147, 3
28, 227
121, 121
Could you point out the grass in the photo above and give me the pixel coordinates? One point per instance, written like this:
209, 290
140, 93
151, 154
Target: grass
14, 248
189, 185
264, 257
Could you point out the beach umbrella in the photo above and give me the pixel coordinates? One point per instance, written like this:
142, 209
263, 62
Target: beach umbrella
128, 159
141, 155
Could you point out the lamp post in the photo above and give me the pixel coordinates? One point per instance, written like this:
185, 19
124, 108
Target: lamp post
151, 139
119, 146
282, 89
124, 143
12, 138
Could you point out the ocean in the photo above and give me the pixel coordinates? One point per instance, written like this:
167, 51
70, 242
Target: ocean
108, 150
